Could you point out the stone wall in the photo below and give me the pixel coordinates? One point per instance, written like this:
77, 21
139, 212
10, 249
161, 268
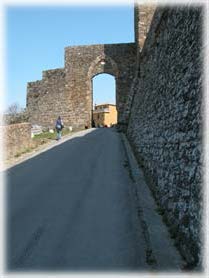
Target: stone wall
82, 63
68, 92
143, 15
46, 98
165, 126
17, 137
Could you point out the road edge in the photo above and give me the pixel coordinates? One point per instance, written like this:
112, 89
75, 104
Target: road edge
161, 252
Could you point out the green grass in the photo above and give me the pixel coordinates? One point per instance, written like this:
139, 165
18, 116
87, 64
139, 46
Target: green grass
51, 136
45, 135
41, 139
26, 150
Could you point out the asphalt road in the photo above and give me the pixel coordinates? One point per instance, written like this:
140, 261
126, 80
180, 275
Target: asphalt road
71, 208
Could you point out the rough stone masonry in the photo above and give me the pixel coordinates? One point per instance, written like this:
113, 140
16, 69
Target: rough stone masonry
17, 138
158, 98
165, 123
68, 92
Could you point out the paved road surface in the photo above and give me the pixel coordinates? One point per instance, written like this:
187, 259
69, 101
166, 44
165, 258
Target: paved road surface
71, 208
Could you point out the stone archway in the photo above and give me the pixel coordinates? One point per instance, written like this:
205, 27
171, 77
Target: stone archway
68, 91
102, 64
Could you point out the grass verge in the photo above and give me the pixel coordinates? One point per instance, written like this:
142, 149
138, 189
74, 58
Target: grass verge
41, 139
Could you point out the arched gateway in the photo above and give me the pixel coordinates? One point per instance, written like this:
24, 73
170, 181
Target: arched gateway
68, 91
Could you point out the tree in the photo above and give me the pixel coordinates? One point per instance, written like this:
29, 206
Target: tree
15, 114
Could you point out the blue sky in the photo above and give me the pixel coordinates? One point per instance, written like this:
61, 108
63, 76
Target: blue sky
36, 37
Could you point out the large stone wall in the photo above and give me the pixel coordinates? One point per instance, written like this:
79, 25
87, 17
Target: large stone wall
165, 126
68, 92
17, 137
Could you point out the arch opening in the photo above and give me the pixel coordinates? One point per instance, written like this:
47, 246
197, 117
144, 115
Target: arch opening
104, 112
102, 66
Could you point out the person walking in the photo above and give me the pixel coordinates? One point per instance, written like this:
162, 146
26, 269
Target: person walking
59, 126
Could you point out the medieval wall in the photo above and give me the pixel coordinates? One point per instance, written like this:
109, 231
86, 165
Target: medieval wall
68, 92
82, 63
165, 126
46, 98
143, 15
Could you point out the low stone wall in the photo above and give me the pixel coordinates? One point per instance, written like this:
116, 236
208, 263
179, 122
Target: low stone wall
17, 137
165, 126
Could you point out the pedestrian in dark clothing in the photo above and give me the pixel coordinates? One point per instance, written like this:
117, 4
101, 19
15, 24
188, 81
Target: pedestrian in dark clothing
59, 126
